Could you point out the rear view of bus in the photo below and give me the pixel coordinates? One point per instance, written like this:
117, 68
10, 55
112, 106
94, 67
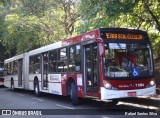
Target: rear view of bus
127, 64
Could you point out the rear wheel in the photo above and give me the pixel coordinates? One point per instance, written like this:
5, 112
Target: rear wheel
74, 95
36, 89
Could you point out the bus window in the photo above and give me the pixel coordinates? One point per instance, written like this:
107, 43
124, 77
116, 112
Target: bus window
15, 68
11, 68
34, 64
71, 59
37, 64
127, 60
62, 64
53, 61
31, 66
78, 58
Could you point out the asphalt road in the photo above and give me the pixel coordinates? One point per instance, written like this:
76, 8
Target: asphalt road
21, 102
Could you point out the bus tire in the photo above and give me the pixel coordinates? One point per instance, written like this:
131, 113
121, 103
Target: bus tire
74, 95
12, 85
36, 89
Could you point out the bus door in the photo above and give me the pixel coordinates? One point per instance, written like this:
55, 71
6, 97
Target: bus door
45, 71
91, 69
20, 69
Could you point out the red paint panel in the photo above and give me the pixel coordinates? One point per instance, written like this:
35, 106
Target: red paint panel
130, 84
63, 84
65, 77
83, 37
80, 91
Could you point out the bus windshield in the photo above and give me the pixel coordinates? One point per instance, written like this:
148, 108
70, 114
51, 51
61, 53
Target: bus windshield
127, 60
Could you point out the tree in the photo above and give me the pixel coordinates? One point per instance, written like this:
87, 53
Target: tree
29, 24
5, 8
138, 14
143, 14
104, 13
53, 14
69, 16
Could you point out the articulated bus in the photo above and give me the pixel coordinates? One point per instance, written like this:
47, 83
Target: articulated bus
103, 64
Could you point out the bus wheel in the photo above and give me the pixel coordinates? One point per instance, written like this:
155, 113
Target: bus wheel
36, 89
12, 85
74, 95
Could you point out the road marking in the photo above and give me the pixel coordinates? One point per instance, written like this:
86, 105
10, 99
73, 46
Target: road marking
138, 105
20, 94
64, 106
33, 102
157, 97
105, 117
37, 99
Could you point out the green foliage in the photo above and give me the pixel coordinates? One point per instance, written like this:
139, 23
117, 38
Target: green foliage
103, 13
35, 7
116, 7
18, 36
155, 39
137, 14
29, 24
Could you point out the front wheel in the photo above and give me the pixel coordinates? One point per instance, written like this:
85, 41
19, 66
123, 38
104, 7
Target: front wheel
74, 95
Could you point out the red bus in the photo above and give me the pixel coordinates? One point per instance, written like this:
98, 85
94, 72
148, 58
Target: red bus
103, 64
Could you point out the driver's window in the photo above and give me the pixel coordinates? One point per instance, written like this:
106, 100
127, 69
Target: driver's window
110, 54
113, 60
110, 58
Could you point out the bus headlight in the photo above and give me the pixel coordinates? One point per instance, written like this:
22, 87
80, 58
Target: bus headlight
107, 85
152, 82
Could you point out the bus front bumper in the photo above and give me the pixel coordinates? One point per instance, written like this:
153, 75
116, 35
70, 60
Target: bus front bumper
113, 94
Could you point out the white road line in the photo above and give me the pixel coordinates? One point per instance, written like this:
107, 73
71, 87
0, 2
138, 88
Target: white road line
138, 105
20, 94
64, 106
33, 102
157, 97
105, 117
37, 99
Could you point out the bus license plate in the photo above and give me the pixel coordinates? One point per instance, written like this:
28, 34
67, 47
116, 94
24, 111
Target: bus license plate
132, 94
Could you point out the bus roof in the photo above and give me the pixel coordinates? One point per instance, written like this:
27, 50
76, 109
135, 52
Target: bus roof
97, 33
14, 58
46, 48
100, 33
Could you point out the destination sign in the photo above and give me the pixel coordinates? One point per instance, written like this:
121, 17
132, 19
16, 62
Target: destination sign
124, 36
